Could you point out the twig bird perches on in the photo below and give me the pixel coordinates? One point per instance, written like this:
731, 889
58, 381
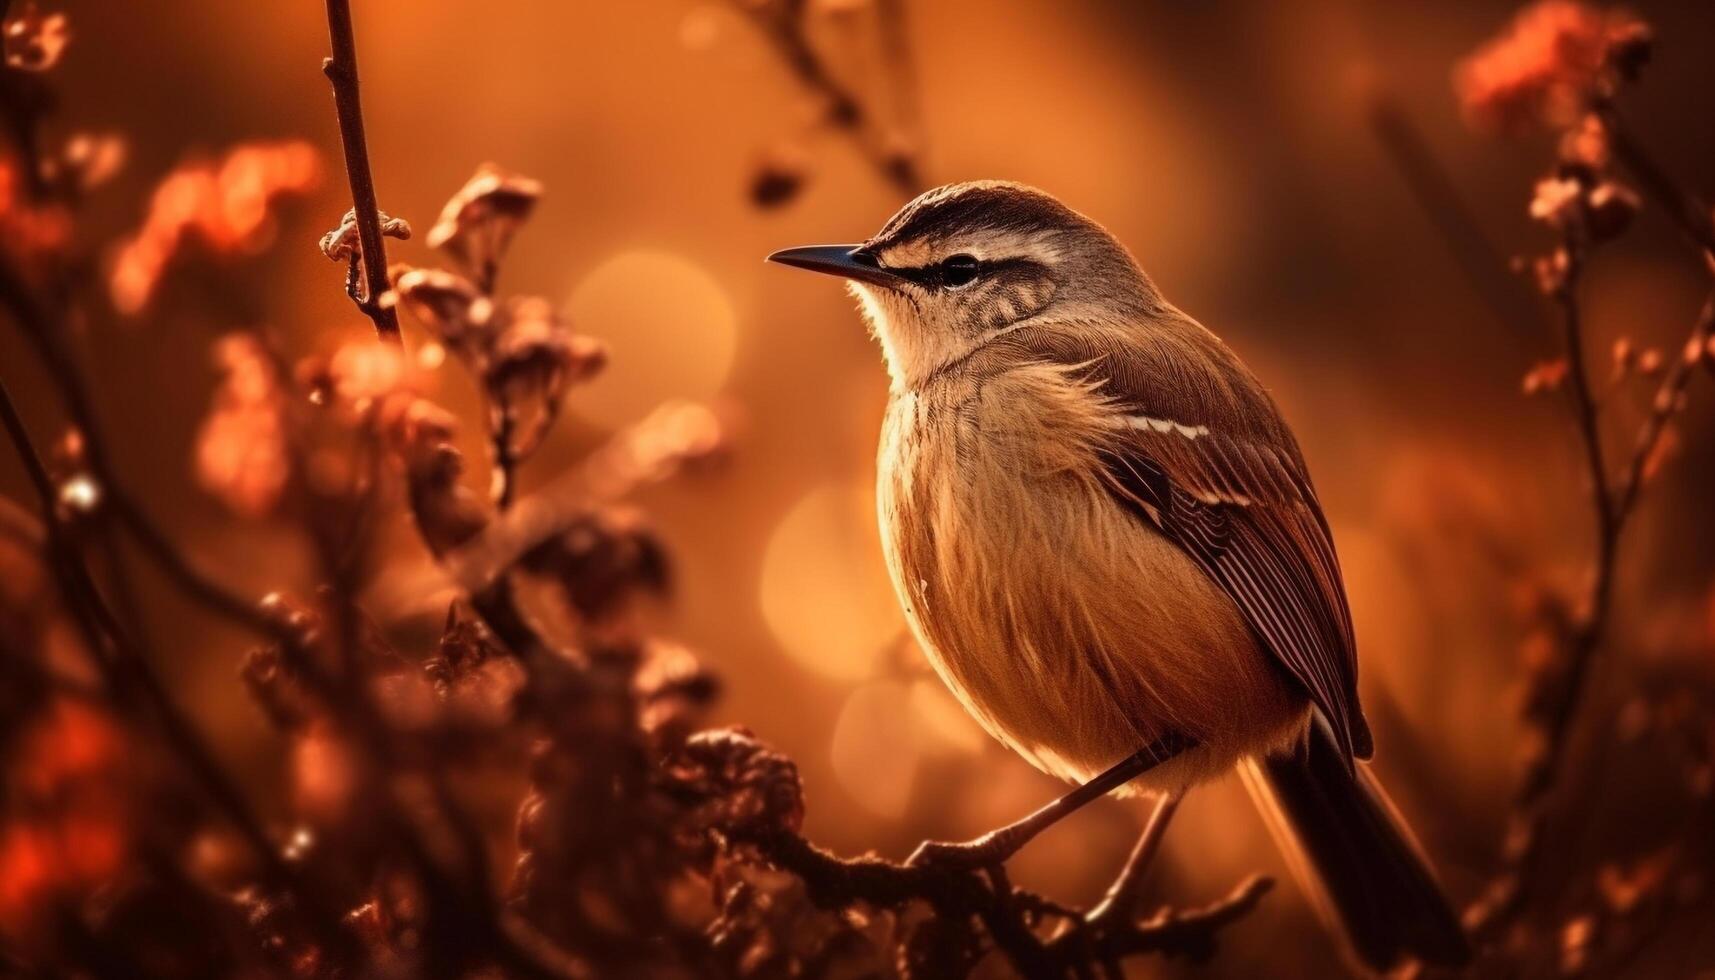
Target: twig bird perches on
1105, 536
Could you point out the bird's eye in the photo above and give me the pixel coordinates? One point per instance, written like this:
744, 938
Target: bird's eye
959, 270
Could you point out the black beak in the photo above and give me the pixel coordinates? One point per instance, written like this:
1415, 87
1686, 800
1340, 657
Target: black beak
848, 261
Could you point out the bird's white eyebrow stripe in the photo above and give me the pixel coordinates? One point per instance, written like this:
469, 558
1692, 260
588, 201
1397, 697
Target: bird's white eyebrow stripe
1145, 423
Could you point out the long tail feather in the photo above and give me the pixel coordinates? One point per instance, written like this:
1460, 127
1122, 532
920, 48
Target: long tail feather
1355, 857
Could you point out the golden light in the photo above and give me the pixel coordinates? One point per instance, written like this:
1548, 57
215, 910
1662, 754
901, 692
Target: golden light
875, 748
825, 592
943, 724
670, 328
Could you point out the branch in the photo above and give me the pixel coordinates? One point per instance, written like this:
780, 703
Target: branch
1190, 933
39, 328
834, 882
783, 26
1668, 400
1612, 506
341, 70
1689, 214
129, 670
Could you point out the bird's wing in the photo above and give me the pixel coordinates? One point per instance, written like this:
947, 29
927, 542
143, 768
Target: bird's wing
1230, 488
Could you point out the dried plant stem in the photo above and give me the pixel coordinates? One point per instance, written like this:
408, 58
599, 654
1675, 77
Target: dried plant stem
1691, 215
341, 70
1612, 506
901, 66
128, 673
1592, 617
40, 329
505, 482
1666, 404
845, 112
1438, 196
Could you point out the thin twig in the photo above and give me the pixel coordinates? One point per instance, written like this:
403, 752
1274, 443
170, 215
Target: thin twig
129, 669
1662, 410
37, 326
1689, 214
843, 111
1438, 196
1612, 505
341, 70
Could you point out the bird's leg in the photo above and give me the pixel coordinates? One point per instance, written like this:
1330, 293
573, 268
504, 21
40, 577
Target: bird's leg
1122, 894
997, 846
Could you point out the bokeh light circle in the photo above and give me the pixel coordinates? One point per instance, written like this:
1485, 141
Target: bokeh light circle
670, 327
875, 748
825, 592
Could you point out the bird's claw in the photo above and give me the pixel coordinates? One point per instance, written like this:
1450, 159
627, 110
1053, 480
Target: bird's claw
989, 850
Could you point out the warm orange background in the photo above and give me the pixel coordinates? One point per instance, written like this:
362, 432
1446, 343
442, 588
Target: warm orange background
1226, 143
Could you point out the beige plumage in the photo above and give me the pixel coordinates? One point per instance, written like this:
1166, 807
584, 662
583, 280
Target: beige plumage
1072, 631
1104, 536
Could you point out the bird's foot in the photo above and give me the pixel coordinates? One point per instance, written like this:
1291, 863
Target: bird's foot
990, 850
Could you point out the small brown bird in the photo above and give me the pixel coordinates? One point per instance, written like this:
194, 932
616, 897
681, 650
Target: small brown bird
1105, 538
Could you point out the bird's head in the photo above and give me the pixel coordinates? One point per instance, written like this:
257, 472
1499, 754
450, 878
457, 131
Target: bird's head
964, 263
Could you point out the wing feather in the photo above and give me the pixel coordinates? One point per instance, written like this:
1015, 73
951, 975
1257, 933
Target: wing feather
1228, 485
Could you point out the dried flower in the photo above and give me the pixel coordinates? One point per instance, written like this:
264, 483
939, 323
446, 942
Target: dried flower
1624, 355
85, 162
225, 207
749, 790
1576, 939
66, 827
1586, 146
449, 304
1550, 271
1546, 68
1557, 201
1610, 207
674, 688
79, 496
29, 230
36, 41
479, 221
1623, 891
534, 359
600, 561
241, 455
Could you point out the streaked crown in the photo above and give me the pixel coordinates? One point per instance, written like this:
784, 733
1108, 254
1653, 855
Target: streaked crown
968, 261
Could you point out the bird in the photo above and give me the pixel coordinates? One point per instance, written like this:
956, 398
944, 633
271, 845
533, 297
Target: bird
1105, 539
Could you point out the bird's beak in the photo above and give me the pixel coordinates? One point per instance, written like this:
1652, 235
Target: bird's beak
849, 261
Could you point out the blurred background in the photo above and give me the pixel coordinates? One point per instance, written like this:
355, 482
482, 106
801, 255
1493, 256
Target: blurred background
1232, 146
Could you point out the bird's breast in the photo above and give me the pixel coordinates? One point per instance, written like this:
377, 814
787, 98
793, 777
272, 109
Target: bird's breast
1068, 627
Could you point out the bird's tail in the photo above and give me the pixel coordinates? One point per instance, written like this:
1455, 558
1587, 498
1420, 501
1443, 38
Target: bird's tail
1353, 854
